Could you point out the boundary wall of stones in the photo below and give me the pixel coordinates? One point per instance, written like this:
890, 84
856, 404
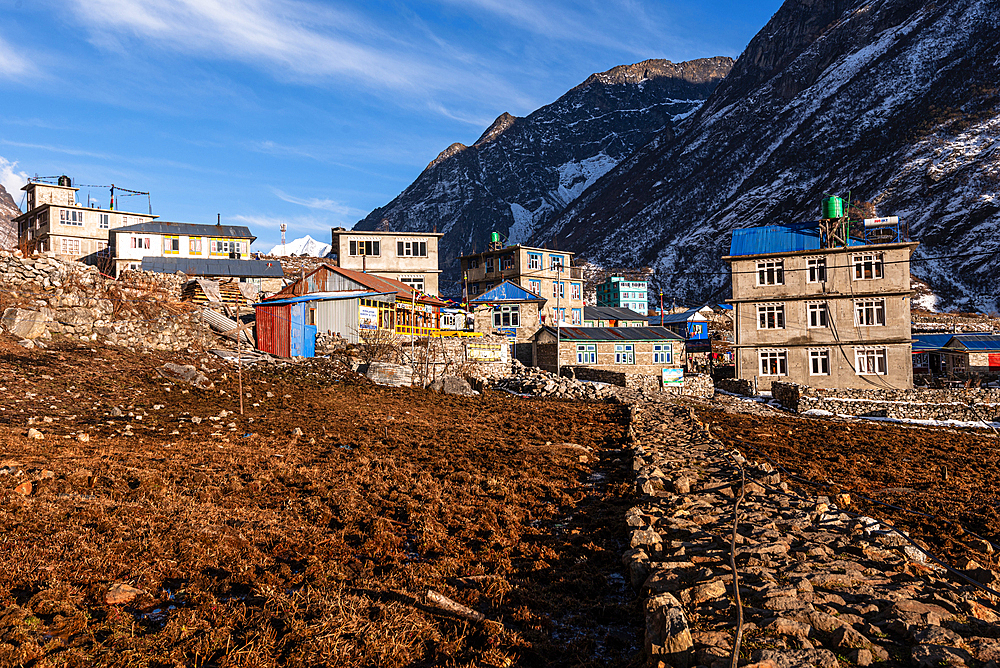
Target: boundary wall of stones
71, 299
965, 404
820, 586
695, 385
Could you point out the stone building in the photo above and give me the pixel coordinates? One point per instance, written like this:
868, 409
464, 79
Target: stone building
545, 273
407, 257
834, 317
56, 222
511, 311
629, 350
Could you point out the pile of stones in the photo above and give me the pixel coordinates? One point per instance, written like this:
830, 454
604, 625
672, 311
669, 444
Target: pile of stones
820, 586
536, 382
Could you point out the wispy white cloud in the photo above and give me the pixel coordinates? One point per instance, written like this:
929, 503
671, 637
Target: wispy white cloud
321, 204
12, 64
12, 179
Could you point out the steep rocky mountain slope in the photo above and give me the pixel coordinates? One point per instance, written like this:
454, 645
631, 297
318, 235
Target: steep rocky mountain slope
895, 101
524, 171
8, 210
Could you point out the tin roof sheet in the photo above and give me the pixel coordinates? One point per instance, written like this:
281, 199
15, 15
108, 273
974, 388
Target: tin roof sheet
193, 266
616, 334
778, 239
507, 292
611, 313
322, 296
977, 342
675, 318
190, 229
925, 342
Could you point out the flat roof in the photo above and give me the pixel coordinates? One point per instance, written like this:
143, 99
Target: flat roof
372, 233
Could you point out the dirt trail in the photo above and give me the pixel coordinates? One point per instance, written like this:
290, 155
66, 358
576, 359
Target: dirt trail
252, 544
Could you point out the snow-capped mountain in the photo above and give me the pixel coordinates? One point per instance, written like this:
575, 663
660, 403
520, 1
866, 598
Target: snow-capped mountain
522, 172
8, 211
894, 101
304, 246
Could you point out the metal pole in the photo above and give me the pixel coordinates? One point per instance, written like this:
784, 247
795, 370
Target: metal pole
239, 354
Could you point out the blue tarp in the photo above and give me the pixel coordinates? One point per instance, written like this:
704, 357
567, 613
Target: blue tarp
778, 239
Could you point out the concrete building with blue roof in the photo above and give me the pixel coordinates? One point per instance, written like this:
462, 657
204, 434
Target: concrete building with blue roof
821, 313
509, 310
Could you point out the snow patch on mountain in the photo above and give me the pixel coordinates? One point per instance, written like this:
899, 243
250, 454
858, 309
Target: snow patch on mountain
304, 246
575, 177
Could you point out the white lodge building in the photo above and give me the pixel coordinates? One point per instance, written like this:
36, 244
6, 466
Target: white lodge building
824, 317
130, 244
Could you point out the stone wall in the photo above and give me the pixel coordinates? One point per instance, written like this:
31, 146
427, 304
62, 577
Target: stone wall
964, 404
45, 296
737, 386
695, 385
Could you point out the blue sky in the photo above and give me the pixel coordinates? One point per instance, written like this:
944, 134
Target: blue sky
307, 113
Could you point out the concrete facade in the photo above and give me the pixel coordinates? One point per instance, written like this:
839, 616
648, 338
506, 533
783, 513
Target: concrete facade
831, 318
408, 257
56, 222
622, 292
546, 273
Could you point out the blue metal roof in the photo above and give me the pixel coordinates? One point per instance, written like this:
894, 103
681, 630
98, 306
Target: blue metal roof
977, 342
778, 239
924, 342
193, 266
507, 292
320, 296
672, 318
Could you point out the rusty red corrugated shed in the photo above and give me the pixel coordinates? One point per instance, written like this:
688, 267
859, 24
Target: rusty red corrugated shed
273, 329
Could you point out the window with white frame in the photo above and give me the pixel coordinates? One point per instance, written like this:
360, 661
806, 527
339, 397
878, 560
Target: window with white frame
490, 264
507, 316
69, 246
819, 362
141, 242
586, 353
556, 262
771, 272
534, 261
869, 312
103, 221
575, 291
662, 353
71, 217
773, 362
102, 247
624, 353
770, 316
535, 286
411, 248
506, 262
219, 246
558, 289
360, 247
415, 282
816, 270
817, 314
870, 362
868, 266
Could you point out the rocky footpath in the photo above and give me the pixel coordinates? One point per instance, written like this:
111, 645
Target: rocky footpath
819, 585
44, 296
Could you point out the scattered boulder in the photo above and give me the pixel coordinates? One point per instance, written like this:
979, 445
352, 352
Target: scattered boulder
23, 323
35, 435
185, 373
452, 385
120, 594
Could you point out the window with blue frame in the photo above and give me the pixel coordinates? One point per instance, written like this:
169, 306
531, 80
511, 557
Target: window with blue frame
576, 316
556, 263
534, 260
662, 353
535, 286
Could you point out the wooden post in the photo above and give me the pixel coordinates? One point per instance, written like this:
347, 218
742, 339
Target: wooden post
239, 353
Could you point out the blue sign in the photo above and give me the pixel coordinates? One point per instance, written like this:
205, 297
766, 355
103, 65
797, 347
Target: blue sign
509, 332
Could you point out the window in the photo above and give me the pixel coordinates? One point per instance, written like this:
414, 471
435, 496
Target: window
817, 315
71, 217
869, 312
69, 247
535, 286
219, 247
586, 353
507, 316
576, 316
194, 245
867, 266
171, 245
770, 316
870, 361
771, 273
662, 353
102, 247
558, 289
103, 221
575, 291
474, 263
624, 353
773, 362
239, 247
534, 261
819, 362
506, 263
140, 242
556, 262
312, 316
411, 248
355, 247
490, 264
560, 314
415, 282
816, 270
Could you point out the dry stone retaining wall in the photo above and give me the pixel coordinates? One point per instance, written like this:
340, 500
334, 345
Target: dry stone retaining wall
964, 404
818, 584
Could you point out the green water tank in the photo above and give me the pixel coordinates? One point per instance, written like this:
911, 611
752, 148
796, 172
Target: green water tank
833, 207
494, 237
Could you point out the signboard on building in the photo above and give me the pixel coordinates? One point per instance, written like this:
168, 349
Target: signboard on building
367, 317
509, 332
484, 352
672, 377
698, 345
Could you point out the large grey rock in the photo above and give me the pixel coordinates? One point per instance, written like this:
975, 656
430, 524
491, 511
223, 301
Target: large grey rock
76, 316
820, 658
668, 636
185, 373
394, 375
452, 385
23, 323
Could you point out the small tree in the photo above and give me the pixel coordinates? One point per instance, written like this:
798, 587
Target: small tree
378, 345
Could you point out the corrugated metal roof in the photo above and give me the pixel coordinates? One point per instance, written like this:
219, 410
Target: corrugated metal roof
610, 313
977, 342
322, 296
674, 318
925, 342
507, 292
616, 334
778, 239
190, 229
193, 266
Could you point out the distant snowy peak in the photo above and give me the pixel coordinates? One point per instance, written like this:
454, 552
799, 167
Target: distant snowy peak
304, 246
